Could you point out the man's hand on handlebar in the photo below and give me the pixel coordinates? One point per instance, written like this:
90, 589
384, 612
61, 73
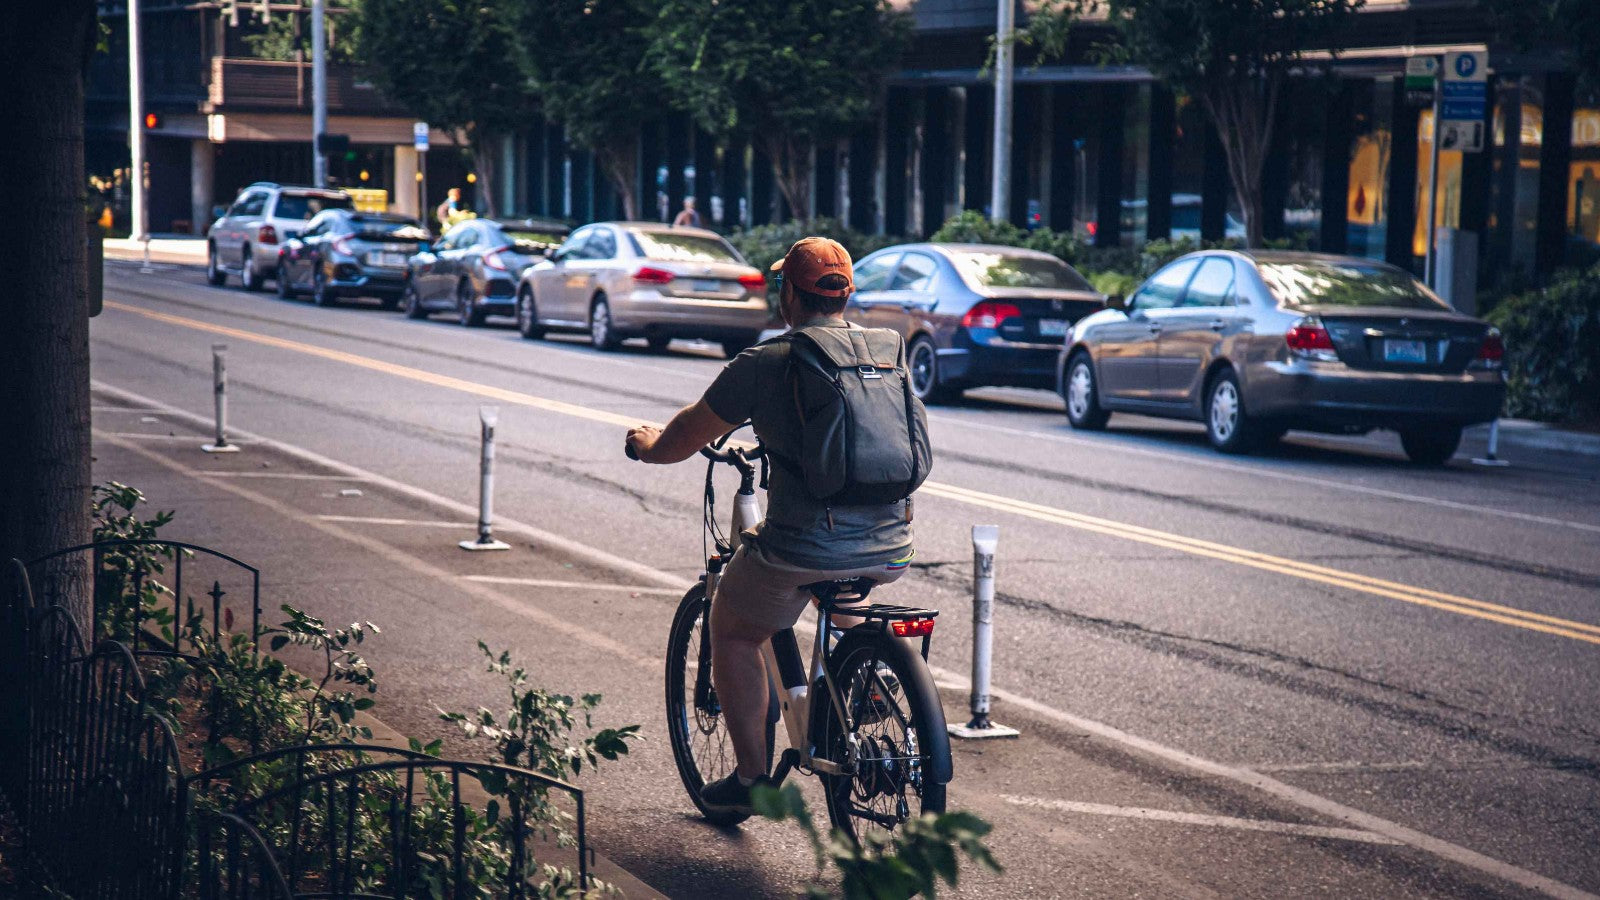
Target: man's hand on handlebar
692, 428
641, 440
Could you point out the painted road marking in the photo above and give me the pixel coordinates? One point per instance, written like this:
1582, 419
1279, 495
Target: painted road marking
1162, 815
1378, 587
285, 476
1172, 755
580, 585
378, 520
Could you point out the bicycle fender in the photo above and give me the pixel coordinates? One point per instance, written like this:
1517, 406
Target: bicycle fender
902, 650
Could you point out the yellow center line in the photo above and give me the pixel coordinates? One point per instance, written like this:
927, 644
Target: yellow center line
1466, 606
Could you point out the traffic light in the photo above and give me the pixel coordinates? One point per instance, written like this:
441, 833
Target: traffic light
152, 121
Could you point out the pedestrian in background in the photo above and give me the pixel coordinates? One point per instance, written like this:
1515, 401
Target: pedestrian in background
688, 216
449, 209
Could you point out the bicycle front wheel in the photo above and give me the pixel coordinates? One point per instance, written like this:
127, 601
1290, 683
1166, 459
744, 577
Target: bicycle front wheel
892, 712
701, 745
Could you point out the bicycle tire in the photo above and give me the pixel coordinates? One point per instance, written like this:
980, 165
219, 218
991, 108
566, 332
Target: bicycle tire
923, 714
685, 720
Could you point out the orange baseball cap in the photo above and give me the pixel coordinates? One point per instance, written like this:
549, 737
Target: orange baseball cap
818, 265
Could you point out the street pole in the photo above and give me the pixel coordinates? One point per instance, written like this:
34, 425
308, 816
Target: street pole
140, 226
487, 418
319, 93
1433, 191
985, 538
219, 393
1005, 56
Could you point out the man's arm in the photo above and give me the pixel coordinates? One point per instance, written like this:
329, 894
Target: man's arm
692, 428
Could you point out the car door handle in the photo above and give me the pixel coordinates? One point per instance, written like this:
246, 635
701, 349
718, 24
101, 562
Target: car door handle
1218, 325
1155, 327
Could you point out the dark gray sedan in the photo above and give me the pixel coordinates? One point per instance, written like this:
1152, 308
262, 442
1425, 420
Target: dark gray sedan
473, 270
1254, 344
972, 314
344, 253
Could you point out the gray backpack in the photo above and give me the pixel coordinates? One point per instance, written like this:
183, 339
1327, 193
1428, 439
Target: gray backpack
863, 434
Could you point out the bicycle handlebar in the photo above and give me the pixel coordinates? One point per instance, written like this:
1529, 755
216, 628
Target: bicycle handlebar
734, 456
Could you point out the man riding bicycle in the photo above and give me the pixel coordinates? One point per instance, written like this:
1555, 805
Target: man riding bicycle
803, 540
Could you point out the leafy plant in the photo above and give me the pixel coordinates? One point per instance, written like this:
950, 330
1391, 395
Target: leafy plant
1552, 337
331, 713
129, 568
911, 860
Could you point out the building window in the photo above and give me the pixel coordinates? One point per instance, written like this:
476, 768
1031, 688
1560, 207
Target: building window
1367, 209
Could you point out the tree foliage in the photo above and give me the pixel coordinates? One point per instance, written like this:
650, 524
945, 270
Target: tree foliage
783, 73
1540, 24
460, 64
589, 62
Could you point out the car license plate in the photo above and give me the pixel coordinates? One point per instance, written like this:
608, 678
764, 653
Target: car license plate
1405, 351
706, 286
388, 260
1053, 327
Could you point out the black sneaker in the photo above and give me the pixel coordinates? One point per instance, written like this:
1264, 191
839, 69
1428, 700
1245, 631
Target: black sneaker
728, 795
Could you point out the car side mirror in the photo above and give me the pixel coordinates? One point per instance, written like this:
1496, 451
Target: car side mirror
218, 211
1116, 301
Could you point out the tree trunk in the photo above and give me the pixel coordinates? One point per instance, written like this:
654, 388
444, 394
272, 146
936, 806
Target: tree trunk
791, 168
44, 345
483, 161
1244, 112
619, 159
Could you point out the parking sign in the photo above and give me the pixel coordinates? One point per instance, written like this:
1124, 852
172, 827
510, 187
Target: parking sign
419, 136
1463, 101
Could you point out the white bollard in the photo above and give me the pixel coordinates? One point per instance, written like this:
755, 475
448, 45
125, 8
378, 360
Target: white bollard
1489, 458
487, 416
144, 268
984, 540
219, 390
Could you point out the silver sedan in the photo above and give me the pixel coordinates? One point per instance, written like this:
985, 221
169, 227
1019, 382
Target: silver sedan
1254, 344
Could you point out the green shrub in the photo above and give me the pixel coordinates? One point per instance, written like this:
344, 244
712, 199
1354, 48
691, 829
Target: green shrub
1552, 340
1113, 284
973, 227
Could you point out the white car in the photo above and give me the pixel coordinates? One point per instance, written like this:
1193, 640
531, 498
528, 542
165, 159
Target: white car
245, 240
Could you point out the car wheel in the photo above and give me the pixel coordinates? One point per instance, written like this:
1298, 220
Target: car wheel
922, 363
601, 332
412, 302
1431, 446
1228, 428
528, 315
467, 311
321, 294
285, 290
247, 272
1082, 395
734, 346
660, 344
214, 274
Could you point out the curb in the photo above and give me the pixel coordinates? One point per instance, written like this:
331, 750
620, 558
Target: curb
1527, 434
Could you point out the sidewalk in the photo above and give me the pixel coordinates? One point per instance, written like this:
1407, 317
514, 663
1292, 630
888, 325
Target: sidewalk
179, 249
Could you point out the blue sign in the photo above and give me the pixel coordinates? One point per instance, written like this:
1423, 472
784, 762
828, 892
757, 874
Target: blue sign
1464, 110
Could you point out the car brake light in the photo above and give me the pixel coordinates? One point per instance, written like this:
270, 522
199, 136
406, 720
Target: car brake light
1307, 338
267, 235
492, 260
1492, 352
755, 281
651, 275
989, 314
912, 627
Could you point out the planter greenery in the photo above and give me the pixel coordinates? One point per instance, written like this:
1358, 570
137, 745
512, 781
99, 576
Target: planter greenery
1552, 337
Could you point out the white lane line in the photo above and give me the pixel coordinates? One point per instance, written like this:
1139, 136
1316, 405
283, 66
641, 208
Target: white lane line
1316, 803
580, 585
1162, 815
285, 476
120, 409
1197, 460
147, 436
378, 520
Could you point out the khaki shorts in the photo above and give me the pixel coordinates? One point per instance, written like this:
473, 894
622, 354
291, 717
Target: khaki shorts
766, 591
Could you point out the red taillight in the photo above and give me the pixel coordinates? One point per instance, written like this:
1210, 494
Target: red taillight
1492, 352
492, 260
755, 282
1308, 338
989, 314
267, 235
1092, 227
912, 627
650, 275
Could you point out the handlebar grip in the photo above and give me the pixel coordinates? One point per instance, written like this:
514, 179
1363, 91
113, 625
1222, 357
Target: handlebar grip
631, 453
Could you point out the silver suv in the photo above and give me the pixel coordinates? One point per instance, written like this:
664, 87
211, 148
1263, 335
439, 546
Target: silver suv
244, 241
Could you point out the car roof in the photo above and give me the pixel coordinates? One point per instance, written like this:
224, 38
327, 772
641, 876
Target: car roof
945, 249
1307, 257
662, 228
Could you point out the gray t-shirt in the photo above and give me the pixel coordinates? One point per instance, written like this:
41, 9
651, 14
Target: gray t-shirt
798, 529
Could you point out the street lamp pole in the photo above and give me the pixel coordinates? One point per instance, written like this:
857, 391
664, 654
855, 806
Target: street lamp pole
319, 93
1005, 55
140, 226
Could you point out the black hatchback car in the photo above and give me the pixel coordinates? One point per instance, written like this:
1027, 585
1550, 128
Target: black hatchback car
344, 252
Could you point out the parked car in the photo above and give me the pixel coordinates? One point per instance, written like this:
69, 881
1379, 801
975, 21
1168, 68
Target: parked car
641, 279
1185, 219
473, 270
343, 253
1256, 343
245, 240
972, 314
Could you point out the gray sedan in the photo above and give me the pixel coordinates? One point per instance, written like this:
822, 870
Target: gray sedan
1253, 344
972, 314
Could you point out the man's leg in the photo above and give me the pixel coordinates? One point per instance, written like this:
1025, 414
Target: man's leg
740, 676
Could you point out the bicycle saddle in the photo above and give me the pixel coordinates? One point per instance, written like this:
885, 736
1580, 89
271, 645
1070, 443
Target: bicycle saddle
845, 590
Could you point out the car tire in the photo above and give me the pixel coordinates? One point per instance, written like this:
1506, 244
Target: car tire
660, 344
285, 289
1228, 427
1431, 446
1080, 391
922, 364
214, 274
412, 302
734, 346
321, 294
468, 312
601, 331
528, 315
248, 277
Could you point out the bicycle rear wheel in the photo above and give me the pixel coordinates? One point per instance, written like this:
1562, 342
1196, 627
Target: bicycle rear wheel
898, 723
701, 745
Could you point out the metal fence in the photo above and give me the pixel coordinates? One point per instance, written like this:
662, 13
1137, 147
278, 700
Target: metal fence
108, 809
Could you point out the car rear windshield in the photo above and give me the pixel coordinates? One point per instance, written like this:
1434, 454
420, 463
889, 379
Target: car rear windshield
304, 206
669, 247
1344, 283
532, 243
404, 228
998, 270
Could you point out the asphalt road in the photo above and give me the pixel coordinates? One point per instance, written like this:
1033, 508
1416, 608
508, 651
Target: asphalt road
1292, 637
